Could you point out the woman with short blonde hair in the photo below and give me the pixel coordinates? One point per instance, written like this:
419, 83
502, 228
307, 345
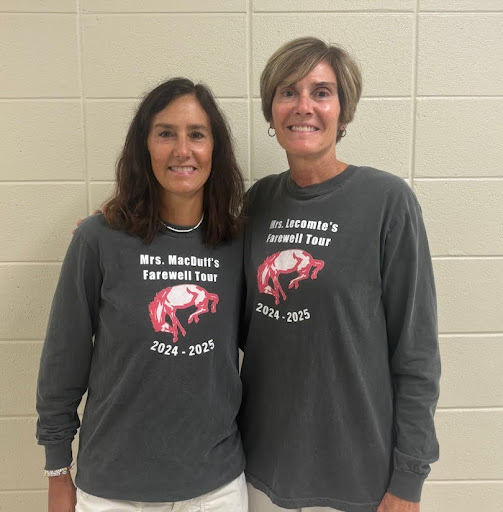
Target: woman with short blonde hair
341, 368
297, 58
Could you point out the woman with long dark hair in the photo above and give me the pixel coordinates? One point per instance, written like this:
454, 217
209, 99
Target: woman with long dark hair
145, 319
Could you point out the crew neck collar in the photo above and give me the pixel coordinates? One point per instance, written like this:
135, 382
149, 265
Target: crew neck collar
319, 188
195, 231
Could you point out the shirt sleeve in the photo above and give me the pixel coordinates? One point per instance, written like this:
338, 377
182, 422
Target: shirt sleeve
411, 319
244, 321
67, 352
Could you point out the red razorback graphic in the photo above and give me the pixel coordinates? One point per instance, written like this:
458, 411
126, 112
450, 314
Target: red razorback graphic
169, 300
286, 262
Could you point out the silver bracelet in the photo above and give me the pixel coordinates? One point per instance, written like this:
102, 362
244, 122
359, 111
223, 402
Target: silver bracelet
58, 472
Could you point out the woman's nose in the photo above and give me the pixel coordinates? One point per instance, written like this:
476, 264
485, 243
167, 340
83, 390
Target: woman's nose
182, 149
304, 104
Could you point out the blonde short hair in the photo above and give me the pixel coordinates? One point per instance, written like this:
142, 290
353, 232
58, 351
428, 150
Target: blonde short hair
295, 59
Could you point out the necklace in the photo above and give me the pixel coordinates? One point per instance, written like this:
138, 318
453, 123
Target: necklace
188, 230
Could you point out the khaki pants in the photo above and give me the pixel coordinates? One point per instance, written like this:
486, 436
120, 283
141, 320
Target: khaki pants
259, 502
231, 497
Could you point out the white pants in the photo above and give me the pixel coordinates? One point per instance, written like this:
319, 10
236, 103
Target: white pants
259, 502
231, 497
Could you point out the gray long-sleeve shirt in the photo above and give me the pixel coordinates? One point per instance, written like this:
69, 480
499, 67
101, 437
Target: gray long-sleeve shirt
341, 367
162, 373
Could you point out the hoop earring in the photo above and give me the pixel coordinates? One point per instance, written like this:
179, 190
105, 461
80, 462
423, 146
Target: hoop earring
342, 133
269, 131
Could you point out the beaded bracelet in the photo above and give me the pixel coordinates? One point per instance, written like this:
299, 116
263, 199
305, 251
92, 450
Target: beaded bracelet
58, 472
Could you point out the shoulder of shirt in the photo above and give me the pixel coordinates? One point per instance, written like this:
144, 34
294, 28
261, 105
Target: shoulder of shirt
93, 229
266, 183
389, 186
376, 176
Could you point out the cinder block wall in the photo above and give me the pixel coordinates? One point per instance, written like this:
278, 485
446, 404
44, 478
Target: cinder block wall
71, 75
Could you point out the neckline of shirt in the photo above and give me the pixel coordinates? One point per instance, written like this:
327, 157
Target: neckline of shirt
180, 234
319, 189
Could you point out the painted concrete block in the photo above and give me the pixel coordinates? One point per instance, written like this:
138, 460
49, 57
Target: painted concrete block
107, 123
163, 6
38, 6
470, 295
41, 140
100, 192
331, 6
471, 371
458, 137
39, 56
470, 46
25, 299
23, 501
368, 140
460, 5
126, 55
462, 496
22, 459
236, 112
19, 363
470, 444
462, 217
39, 219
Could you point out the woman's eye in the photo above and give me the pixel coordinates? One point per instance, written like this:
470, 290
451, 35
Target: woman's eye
165, 134
288, 93
197, 135
323, 93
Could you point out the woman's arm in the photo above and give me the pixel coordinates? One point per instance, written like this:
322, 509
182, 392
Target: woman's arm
66, 356
62, 494
408, 292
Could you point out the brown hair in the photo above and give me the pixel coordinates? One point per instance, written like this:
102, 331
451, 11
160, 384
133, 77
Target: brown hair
135, 204
295, 59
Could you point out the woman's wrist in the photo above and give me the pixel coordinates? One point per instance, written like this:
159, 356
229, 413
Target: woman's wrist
58, 472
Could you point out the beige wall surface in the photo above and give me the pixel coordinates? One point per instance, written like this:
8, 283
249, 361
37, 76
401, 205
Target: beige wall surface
432, 112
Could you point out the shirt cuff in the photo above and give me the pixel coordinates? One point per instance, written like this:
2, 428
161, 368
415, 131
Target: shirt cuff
406, 485
58, 456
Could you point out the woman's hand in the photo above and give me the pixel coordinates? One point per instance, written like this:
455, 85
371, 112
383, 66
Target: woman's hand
62, 494
391, 503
